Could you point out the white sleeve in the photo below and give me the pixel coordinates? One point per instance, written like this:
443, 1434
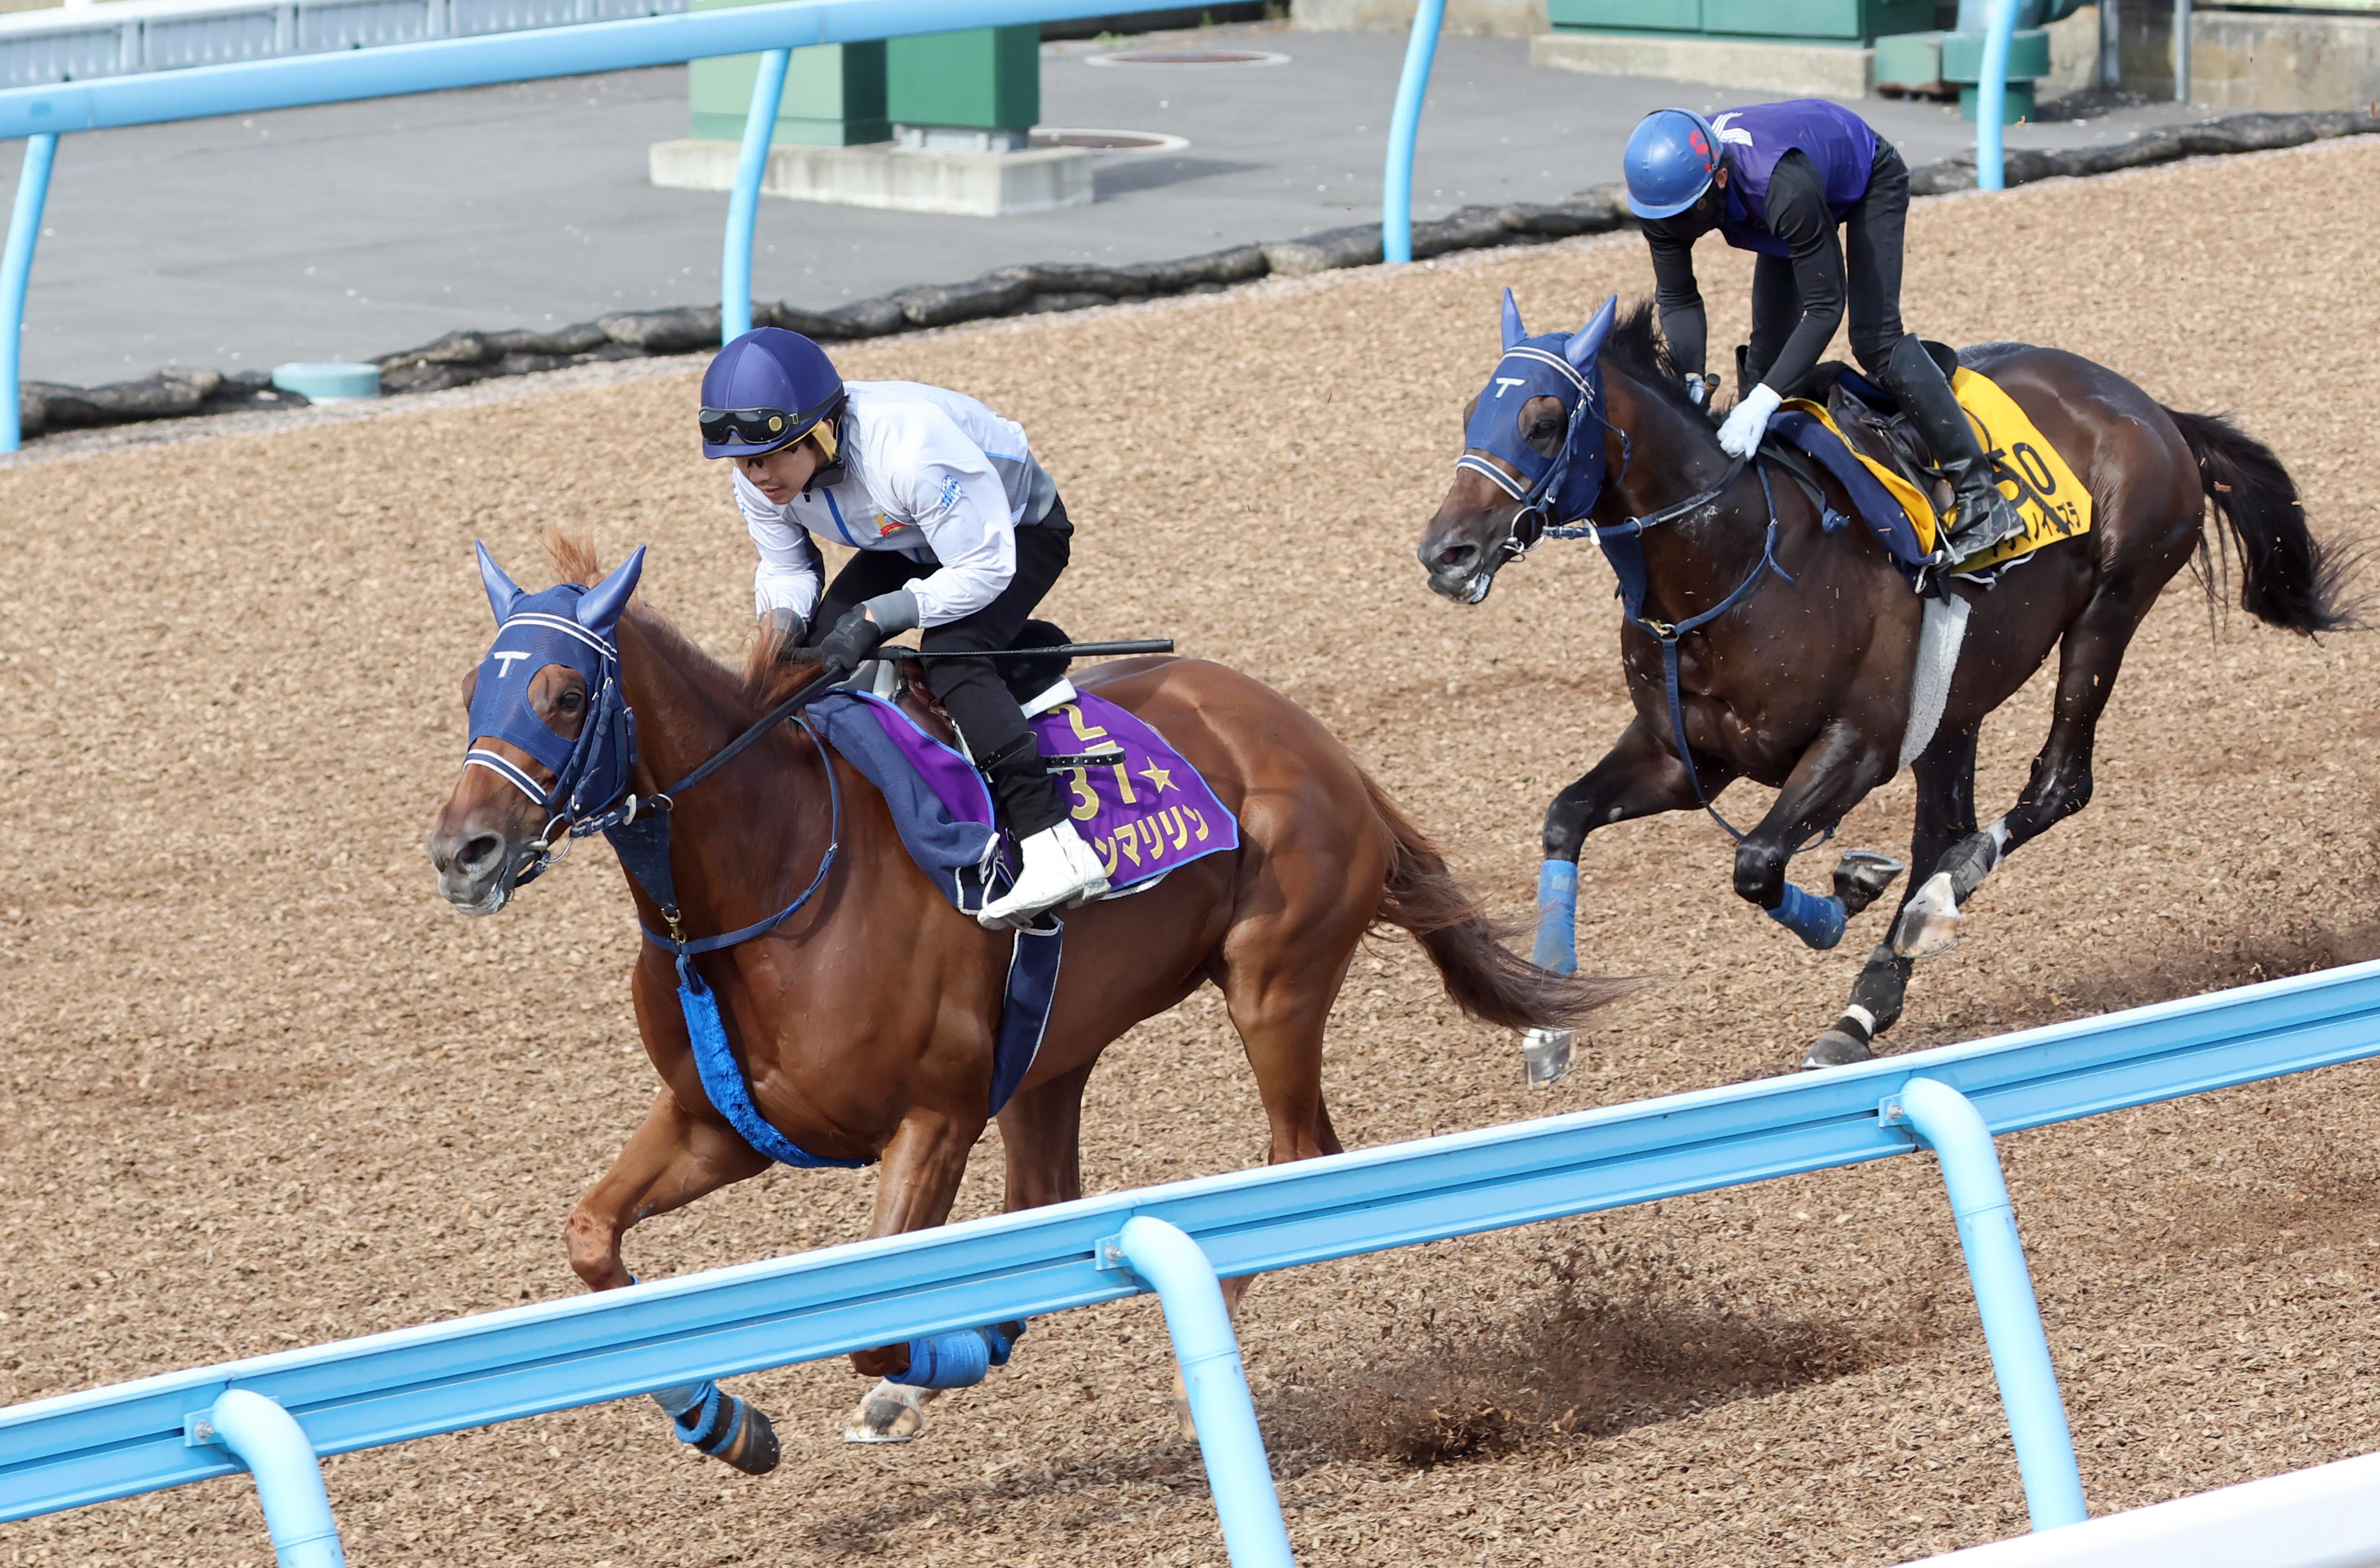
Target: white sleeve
791, 572
957, 502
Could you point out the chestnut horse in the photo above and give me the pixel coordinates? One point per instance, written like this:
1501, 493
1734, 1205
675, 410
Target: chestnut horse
1795, 648
864, 1023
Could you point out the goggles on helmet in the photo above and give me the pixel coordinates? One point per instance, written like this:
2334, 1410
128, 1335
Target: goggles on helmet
765, 429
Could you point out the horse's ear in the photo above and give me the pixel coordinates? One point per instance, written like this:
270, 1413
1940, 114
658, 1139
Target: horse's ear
600, 607
503, 592
1587, 341
1513, 331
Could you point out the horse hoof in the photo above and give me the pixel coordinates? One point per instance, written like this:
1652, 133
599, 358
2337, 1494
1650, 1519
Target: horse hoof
1546, 1054
1929, 922
1837, 1048
892, 1413
755, 1450
1861, 876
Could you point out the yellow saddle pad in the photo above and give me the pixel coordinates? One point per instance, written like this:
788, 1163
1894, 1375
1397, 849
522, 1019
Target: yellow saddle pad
2053, 504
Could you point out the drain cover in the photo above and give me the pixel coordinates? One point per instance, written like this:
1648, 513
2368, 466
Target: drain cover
1190, 57
1109, 141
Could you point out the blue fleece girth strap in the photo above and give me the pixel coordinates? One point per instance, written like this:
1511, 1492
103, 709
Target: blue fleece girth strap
722, 1080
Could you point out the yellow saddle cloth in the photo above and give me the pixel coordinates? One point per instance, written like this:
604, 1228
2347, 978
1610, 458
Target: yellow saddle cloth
2053, 504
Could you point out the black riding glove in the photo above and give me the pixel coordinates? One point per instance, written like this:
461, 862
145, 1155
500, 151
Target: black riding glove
852, 642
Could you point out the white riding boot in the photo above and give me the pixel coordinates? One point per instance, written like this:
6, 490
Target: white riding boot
1059, 867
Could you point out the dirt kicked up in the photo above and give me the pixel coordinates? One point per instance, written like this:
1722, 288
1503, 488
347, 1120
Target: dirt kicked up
262, 1089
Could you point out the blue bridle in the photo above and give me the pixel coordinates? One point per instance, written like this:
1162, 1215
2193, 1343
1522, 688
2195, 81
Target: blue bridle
1557, 494
1556, 490
569, 625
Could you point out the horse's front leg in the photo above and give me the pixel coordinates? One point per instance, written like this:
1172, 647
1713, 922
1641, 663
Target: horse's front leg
673, 1159
923, 1166
1638, 777
1833, 775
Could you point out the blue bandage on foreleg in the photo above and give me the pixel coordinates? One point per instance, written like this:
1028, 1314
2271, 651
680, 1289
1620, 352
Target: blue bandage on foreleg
959, 1359
704, 1416
1557, 948
1817, 922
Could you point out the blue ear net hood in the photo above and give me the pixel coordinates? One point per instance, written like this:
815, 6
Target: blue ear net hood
765, 390
572, 626
1561, 365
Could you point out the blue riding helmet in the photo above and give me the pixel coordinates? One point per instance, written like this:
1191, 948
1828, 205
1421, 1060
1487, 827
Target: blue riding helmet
767, 389
1672, 156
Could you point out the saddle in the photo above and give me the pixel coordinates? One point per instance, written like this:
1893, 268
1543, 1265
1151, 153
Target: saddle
1871, 420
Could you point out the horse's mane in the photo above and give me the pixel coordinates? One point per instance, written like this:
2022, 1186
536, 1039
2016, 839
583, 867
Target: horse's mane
1637, 346
755, 685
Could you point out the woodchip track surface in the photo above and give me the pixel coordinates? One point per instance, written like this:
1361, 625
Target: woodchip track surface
262, 1089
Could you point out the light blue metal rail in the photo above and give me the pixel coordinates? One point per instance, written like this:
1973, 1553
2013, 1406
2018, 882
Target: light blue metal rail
436, 65
1405, 130
743, 202
117, 1442
1991, 97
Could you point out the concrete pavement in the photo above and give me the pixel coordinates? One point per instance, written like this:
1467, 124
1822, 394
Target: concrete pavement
352, 231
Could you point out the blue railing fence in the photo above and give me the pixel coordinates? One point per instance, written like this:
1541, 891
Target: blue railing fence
142, 1437
40, 114
1421, 50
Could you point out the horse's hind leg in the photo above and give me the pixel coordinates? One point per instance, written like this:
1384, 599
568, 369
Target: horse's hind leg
1946, 814
2089, 659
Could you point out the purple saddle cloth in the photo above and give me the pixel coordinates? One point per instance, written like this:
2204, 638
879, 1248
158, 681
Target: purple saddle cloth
1144, 813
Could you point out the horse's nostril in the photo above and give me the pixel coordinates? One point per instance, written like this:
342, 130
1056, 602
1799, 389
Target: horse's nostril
480, 853
1456, 556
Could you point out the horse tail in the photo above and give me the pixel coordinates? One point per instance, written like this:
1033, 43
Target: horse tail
2287, 576
1482, 976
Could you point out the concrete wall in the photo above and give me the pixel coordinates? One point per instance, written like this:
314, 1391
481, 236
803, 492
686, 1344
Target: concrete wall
2073, 54
1479, 18
2267, 60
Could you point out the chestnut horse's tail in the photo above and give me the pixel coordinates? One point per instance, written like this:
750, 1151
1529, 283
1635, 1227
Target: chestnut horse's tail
1486, 978
2286, 579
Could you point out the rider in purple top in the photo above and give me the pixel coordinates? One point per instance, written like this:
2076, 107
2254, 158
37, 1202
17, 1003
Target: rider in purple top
1780, 179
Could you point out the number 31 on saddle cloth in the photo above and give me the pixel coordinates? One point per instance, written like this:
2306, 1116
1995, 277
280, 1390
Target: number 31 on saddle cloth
2053, 504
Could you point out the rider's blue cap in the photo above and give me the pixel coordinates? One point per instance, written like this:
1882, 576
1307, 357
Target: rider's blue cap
1672, 156
765, 390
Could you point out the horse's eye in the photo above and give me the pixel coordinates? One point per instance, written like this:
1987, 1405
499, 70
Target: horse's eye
569, 701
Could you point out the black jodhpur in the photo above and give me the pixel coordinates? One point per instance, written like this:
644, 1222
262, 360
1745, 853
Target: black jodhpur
970, 689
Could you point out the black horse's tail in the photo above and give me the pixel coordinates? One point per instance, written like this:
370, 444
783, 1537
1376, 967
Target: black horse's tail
1485, 979
2287, 576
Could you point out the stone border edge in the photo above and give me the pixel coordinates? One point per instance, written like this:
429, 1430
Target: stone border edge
461, 358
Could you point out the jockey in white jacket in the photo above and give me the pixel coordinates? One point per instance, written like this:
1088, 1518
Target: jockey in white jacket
959, 534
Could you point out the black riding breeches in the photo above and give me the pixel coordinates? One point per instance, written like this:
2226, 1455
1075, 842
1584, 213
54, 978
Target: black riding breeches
970, 691
1872, 233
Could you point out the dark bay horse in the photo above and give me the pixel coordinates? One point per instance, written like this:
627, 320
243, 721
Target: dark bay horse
1800, 675
864, 1023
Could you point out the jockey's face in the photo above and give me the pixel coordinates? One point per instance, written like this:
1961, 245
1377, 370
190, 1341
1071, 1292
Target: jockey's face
780, 475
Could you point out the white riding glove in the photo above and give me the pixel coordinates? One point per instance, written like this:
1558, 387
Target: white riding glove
1748, 421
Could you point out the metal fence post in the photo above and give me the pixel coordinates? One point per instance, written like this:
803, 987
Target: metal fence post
1246, 1502
1405, 129
288, 1477
1948, 1122
15, 271
744, 205
1991, 97
2181, 51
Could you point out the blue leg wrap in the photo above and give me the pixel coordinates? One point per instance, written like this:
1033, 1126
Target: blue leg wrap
1557, 948
1817, 922
959, 1359
704, 1416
